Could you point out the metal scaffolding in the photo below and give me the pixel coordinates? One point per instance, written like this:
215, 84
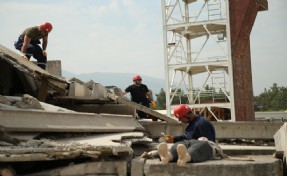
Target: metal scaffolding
197, 57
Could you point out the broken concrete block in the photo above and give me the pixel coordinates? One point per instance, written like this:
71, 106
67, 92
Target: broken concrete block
28, 102
90, 84
137, 166
280, 139
263, 165
117, 91
31, 101
76, 80
99, 91
76, 89
54, 67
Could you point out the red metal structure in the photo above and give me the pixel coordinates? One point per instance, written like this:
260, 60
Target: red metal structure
242, 17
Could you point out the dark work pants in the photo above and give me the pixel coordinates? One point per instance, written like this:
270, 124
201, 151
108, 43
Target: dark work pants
34, 50
141, 114
198, 150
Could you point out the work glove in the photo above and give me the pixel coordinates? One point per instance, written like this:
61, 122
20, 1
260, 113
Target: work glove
168, 139
153, 104
44, 53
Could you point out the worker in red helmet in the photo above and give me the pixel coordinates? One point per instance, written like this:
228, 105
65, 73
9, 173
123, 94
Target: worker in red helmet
197, 144
28, 43
140, 94
197, 125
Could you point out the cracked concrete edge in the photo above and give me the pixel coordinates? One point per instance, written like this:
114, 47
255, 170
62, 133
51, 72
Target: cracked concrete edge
137, 166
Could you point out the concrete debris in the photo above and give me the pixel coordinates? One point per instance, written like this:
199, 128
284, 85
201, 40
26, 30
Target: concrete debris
76, 80
263, 166
58, 127
90, 146
28, 102
89, 90
23, 75
4, 100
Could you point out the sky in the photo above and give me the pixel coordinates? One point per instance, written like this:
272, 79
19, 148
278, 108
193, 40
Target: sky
126, 36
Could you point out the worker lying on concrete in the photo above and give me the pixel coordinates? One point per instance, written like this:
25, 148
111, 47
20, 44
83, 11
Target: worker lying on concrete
197, 125
187, 151
190, 151
140, 94
28, 43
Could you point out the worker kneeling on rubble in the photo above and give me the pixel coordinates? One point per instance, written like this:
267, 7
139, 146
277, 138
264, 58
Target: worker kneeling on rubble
28, 43
140, 94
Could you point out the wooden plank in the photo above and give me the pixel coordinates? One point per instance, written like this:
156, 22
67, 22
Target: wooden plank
141, 108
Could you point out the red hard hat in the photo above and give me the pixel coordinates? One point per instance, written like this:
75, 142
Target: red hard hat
46, 26
181, 110
137, 77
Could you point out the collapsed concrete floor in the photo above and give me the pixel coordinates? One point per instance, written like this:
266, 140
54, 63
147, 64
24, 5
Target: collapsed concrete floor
86, 129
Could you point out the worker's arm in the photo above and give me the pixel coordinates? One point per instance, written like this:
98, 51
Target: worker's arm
124, 93
45, 43
152, 102
149, 95
26, 42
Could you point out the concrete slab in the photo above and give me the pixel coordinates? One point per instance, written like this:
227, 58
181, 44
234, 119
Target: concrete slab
41, 121
149, 111
247, 150
116, 142
262, 166
118, 168
280, 138
87, 146
102, 108
246, 130
224, 130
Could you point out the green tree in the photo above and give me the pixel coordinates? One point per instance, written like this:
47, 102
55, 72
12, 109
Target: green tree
161, 99
273, 99
179, 98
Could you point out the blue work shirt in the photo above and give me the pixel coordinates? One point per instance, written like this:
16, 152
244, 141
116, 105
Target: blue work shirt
197, 128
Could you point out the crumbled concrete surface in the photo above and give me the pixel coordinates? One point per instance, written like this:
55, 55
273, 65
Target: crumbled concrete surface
5, 100
262, 166
24, 102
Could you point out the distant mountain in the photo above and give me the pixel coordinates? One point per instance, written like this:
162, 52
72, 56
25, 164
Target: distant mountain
121, 80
